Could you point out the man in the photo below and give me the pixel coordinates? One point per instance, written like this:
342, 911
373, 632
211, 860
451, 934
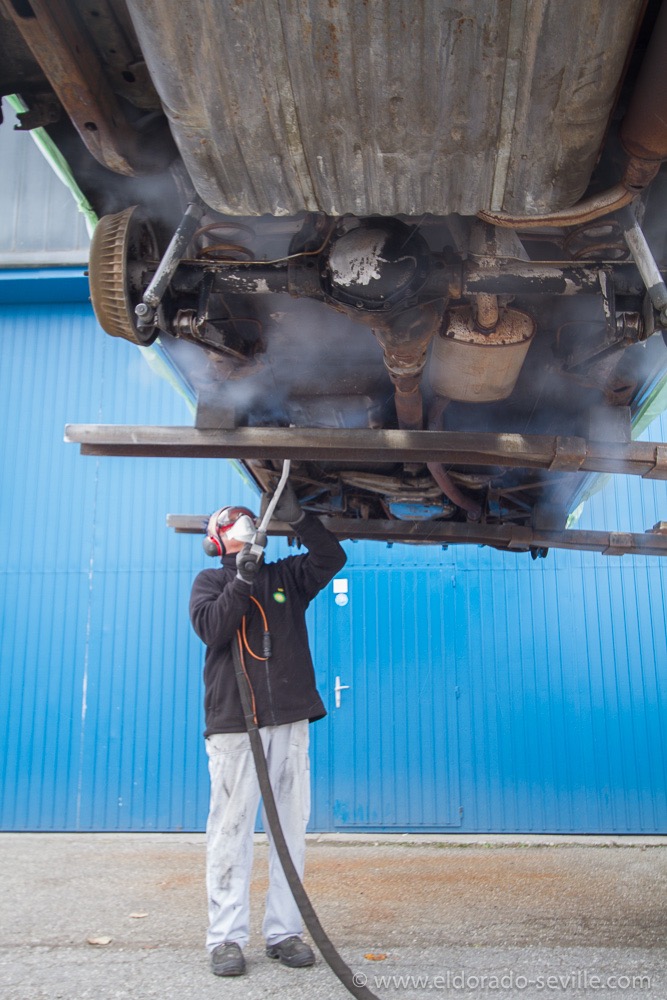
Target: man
247, 597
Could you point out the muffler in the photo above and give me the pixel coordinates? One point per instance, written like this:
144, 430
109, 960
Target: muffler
473, 365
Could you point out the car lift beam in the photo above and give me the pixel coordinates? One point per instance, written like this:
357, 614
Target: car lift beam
562, 454
506, 537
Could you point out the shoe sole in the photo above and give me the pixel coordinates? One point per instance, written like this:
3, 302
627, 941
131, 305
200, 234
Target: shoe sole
231, 965
222, 972
293, 964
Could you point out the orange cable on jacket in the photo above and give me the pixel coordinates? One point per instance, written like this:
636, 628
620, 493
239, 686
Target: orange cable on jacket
244, 634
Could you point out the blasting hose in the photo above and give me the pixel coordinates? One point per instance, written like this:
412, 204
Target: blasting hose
311, 920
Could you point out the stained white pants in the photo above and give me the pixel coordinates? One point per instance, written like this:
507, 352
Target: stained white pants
231, 821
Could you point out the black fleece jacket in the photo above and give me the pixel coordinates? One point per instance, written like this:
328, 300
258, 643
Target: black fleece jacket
284, 686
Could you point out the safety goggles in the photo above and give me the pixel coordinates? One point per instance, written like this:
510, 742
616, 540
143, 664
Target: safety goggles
228, 517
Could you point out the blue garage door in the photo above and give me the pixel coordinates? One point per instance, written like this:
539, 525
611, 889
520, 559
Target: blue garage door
393, 711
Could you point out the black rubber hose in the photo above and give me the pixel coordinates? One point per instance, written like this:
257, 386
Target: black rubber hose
311, 920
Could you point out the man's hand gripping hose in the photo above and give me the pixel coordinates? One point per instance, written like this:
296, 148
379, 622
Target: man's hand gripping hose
310, 918
249, 559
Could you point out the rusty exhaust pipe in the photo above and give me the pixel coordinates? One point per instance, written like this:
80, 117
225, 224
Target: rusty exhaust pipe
404, 339
453, 493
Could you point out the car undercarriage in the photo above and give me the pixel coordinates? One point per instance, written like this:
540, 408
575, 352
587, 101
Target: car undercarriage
415, 247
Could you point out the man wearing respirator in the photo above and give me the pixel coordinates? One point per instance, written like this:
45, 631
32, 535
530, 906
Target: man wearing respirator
261, 606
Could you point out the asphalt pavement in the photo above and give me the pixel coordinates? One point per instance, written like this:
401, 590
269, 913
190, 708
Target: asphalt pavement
102, 916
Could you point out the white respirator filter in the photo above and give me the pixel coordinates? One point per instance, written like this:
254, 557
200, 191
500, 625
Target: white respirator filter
242, 530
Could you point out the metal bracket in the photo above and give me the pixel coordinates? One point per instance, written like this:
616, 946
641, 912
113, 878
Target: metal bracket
44, 110
570, 454
659, 470
620, 544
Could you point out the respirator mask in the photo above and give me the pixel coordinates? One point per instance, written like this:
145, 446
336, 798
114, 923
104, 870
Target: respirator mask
235, 523
242, 530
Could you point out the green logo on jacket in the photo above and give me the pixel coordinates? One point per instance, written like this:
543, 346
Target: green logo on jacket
279, 596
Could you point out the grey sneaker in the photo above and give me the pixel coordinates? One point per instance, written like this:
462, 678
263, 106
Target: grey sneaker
293, 952
227, 960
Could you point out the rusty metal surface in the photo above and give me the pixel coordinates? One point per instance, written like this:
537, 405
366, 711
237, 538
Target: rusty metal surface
572, 59
592, 208
62, 49
110, 28
509, 538
17, 62
388, 106
475, 366
454, 279
76, 72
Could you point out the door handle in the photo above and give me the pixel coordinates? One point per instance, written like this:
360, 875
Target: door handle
337, 690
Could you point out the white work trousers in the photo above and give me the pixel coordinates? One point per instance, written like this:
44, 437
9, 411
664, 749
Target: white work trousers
235, 797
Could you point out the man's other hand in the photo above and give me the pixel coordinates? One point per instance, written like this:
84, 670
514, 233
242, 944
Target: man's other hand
287, 508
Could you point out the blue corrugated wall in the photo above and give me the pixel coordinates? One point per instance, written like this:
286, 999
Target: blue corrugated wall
485, 691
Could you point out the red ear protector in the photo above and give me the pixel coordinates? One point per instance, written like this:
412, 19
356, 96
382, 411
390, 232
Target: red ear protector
219, 522
212, 544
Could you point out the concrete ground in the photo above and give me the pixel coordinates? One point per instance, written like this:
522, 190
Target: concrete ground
487, 917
